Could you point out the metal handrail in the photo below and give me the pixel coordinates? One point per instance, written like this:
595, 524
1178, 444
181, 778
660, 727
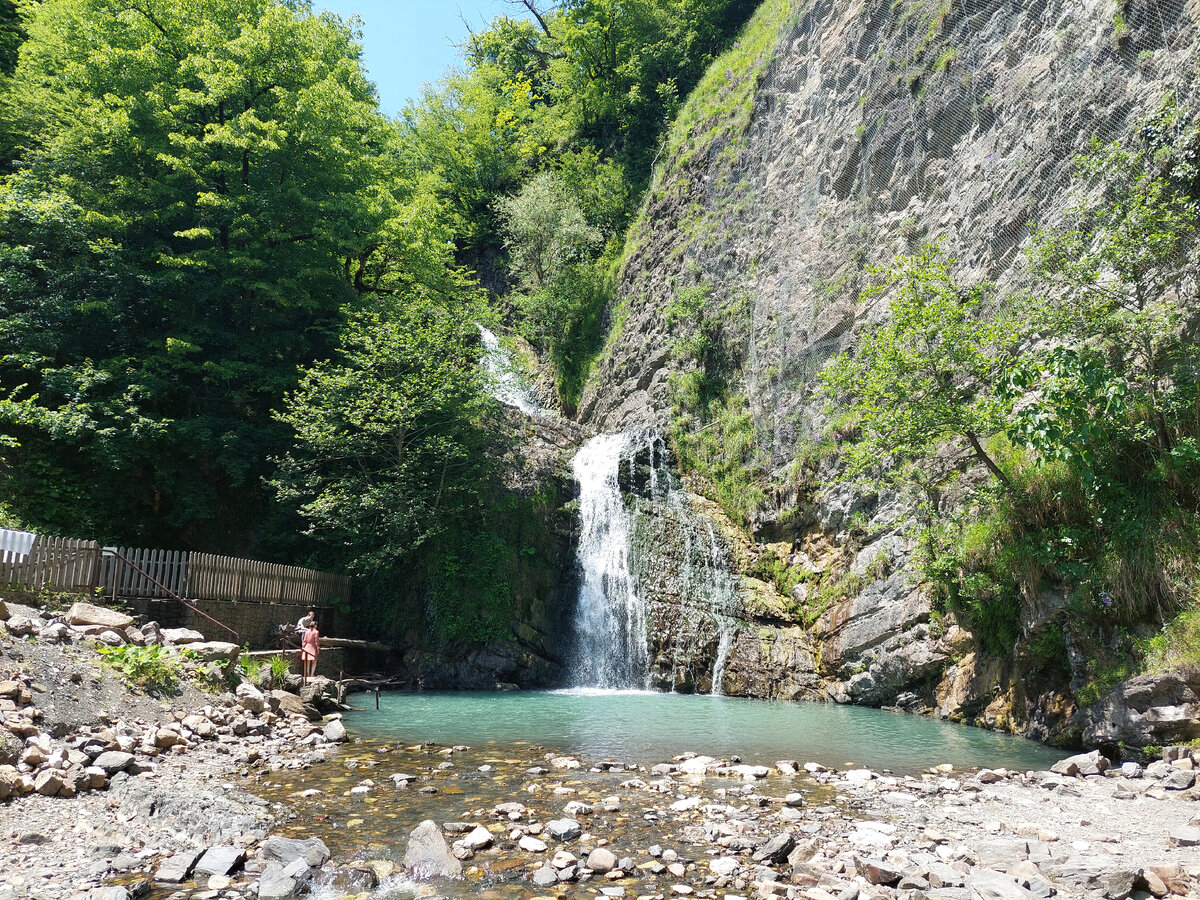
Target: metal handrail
170, 593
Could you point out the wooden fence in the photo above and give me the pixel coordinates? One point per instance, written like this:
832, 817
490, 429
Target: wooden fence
134, 572
228, 578
63, 564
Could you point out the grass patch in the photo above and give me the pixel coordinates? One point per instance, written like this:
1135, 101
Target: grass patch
1177, 645
1124, 548
722, 450
720, 105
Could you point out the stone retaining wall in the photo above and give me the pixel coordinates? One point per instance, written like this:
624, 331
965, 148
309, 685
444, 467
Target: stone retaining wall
255, 623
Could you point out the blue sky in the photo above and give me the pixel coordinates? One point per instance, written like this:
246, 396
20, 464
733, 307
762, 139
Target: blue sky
408, 42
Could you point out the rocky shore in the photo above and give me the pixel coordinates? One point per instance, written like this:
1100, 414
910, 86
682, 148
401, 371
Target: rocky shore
104, 781
706, 828
230, 794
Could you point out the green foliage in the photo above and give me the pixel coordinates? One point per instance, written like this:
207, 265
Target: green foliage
546, 232
1177, 644
770, 568
927, 374
1048, 649
201, 187
564, 287
1105, 674
1120, 272
251, 666
152, 668
719, 108
551, 121
389, 438
280, 669
723, 451
695, 326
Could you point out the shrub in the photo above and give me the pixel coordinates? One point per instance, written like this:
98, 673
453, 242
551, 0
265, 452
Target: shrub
151, 668
281, 667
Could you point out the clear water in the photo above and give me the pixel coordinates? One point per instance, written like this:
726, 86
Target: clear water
645, 727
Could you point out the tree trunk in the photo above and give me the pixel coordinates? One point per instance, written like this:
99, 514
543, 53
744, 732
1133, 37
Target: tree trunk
982, 456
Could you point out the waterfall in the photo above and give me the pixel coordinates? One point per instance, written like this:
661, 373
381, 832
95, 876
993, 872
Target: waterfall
644, 548
724, 640
507, 385
610, 624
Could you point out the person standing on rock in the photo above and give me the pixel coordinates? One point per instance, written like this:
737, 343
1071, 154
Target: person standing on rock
310, 646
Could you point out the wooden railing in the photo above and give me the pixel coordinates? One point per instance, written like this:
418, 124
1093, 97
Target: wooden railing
132, 572
63, 564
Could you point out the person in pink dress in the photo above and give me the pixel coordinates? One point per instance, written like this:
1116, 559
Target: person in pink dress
310, 646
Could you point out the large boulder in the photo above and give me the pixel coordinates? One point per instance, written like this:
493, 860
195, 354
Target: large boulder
287, 850
288, 704
1148, 709
335, 732
3, 610
213, 651
90, 614
251, 698
1093, 763
427, 855
180, 636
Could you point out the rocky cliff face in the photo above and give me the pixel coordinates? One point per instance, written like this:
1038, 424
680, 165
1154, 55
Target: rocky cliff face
861, 130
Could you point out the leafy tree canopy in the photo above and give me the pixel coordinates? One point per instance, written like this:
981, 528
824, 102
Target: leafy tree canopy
206, 186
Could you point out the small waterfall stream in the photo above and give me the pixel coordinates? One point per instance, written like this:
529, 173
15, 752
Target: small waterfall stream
507, 384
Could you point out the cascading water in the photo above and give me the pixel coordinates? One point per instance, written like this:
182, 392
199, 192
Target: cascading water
726, 597
507, 385
645, 555
610, 624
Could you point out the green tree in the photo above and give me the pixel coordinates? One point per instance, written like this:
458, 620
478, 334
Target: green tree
389, 446
929, 373
545, 232
204, 186
1117, 280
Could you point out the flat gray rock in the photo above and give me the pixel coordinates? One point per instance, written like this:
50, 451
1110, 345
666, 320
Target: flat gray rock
994, 886
563, 829
274, 884
287, 850
180, 636
219, 861
1179, 779
113, 761
175, 869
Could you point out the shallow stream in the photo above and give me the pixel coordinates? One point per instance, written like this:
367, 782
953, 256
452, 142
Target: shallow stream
460, 755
